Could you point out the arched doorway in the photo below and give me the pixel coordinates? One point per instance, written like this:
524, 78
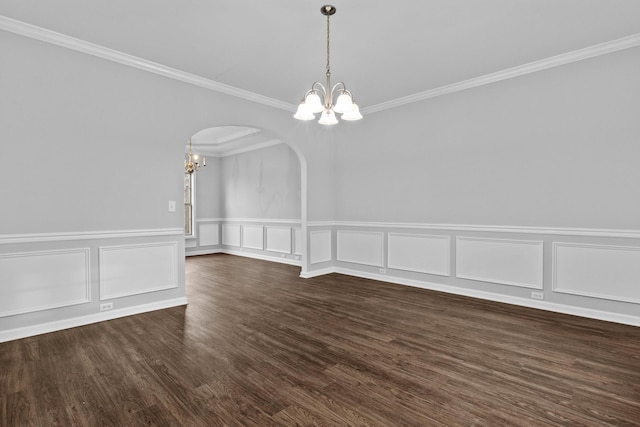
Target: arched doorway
251, 197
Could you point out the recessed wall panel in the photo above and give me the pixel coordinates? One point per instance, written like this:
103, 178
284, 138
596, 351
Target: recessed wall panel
507, 262
361, 247
136, 269
609, 272
231, 234
253, 237
34, 281
209, 234
297, 241
279, 239
419, 253
320, 246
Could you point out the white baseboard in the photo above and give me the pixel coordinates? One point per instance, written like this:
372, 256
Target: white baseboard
262, 257
523, 302
203, 252
246, 255
43, 328
316, 273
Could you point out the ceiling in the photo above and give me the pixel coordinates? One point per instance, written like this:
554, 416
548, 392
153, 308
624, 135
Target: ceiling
226, 140
382, 51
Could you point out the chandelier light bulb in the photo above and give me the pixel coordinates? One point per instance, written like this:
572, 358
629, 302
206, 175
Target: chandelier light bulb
314, 103
303, 112
352, 114
328, 118
343, 104
192, 164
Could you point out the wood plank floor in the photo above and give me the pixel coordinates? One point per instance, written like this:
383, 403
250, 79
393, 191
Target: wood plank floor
258, 346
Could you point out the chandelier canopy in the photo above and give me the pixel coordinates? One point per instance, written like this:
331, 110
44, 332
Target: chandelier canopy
320, 99
192, 162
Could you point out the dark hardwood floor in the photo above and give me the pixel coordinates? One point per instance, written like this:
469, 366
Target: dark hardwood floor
259, 346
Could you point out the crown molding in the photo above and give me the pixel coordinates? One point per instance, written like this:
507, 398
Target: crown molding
520, 70
48, 36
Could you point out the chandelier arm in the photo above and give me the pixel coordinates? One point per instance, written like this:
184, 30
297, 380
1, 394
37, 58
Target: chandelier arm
337, 85
314, 86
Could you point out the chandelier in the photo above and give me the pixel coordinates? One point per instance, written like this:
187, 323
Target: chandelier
312, 102
192, 163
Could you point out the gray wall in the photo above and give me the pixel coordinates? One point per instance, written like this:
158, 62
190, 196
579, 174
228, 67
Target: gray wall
555, 148
102, 140
208, 190
263, 183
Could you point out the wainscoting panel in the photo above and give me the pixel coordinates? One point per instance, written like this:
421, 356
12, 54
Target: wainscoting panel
209, 234
420, 253
609, 272
508, 262
320, 246
297, 241
136, 269
231, 234
253, 237
279, 239
361, 247
34, 281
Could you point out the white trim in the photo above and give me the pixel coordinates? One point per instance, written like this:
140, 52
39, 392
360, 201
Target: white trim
590, 232
520, 70
261, 220
205, 231
288, 261
540, 261
87, 279
253, 147
328, 256
87, 235
316, 273
228, 237
262, 257
272, 249
102, 250
446, 237
297, 231
42, 34
340, 248
58, 325
321, 223
258, 220
203, 252
524, 302
252, 245
554, 279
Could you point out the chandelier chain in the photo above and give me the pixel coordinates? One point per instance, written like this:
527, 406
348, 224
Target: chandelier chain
328, 49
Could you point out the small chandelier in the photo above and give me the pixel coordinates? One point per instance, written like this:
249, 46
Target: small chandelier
192, 163
311, 102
